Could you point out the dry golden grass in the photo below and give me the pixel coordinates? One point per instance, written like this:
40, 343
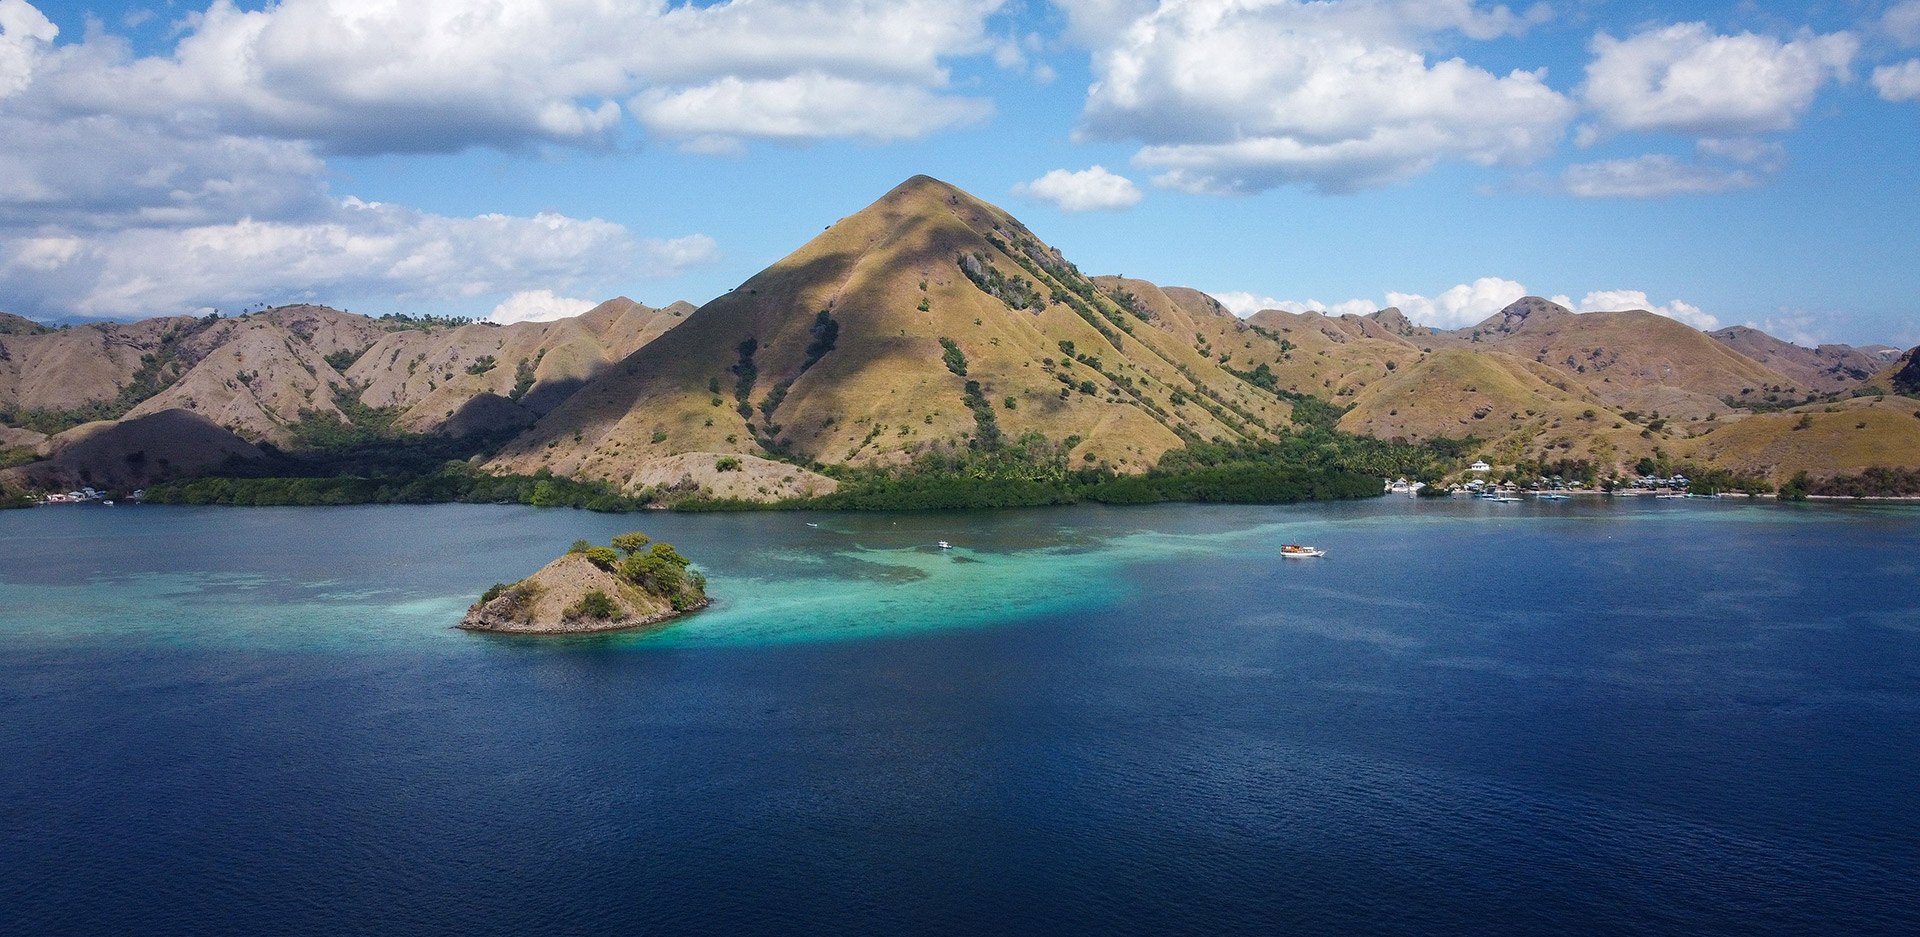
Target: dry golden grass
1820, 439
1506, 402
884, 393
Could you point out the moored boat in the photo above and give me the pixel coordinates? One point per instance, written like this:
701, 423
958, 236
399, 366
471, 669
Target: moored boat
1294, 550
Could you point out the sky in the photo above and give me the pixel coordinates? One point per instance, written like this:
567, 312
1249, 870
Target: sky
1721, 163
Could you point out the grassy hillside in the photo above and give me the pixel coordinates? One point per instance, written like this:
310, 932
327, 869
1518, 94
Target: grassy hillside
1826, 369
261, 375
1508, 403
1821, 439
1632, 360
928, 321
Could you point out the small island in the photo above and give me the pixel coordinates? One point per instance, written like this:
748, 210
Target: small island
631, 584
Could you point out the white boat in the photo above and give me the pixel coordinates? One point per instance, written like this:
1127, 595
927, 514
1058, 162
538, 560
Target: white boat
1295, 551
945, 545
812, 524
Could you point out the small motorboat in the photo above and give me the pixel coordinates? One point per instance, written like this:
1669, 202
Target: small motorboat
945, 545
812, 524
1294, 550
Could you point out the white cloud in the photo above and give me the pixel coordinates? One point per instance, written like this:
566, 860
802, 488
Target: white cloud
24, 36
1469, 303
1619, 300
1244, 304
109, 171
1462, 305
1684, 78
1655, 175
1093, 189
538, 306
359, 249
713, 117
1902, 22
1898, 82
669, 258
1246, 95
367, 76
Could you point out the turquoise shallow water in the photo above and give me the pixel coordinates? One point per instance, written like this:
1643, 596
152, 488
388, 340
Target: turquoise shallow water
1591, 717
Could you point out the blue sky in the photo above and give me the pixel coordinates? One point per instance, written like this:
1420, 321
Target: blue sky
1723, 163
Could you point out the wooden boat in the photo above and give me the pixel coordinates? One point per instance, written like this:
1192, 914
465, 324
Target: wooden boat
1294, 551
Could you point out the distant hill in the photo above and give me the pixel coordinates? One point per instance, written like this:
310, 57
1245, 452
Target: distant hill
1520, 408
11, 324
928, 322
1902, 375
1632, 360
1825, 368
263, 374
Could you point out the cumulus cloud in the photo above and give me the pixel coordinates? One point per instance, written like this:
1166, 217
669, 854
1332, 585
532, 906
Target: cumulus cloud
1621, 300
1462, 305
1898, 82
1244, 304
105, 171
714, 117
195, 178
359, 249
1902, 22
1470, 303
1246, 95
1685, 78
1655, 175
1093, 189
24, 36
538, 306
361, 76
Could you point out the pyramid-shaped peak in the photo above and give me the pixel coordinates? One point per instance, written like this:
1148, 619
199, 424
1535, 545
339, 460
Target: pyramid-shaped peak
924, 193
1521, 311
1529, 306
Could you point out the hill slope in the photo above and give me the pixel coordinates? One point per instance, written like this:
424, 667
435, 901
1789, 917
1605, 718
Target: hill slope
852, 348
260, 374
1512, 404
1631, 360
1826, 368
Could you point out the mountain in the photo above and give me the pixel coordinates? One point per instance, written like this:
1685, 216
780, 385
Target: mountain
260, 375
1821, 439
1519, 408
1902, 375
11, 324
933, 322
133, 452
925, 321
1824, 368
1632, 360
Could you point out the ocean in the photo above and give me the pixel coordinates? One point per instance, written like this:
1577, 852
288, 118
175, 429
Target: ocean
1587, 717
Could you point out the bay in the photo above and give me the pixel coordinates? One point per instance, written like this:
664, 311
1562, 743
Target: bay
1595, 716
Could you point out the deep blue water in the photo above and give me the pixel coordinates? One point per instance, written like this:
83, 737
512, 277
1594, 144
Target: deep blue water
1582, 718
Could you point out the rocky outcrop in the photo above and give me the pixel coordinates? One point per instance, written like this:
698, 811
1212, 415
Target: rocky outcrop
593, 589
726, 475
